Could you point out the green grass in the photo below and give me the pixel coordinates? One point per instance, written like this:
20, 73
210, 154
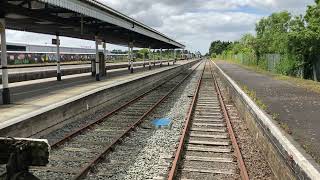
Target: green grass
253, 96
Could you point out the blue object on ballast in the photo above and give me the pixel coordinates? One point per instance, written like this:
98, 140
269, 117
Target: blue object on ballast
162, 122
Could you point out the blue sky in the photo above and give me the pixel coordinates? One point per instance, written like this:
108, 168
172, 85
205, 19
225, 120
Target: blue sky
193, 22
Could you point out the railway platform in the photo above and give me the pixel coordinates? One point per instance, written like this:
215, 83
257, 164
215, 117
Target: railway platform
35, 98
296, 109
19, 73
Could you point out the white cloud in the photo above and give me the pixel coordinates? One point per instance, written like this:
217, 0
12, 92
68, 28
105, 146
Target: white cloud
193, 22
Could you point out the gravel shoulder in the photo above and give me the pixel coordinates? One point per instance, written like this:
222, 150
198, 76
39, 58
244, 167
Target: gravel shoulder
257, 166
150, 148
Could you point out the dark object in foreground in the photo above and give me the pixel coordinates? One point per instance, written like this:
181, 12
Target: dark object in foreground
18, 154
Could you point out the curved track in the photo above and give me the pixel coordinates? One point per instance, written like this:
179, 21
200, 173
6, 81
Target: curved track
208, 148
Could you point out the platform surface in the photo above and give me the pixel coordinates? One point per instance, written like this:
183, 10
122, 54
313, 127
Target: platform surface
297, 108
53, 68
34, 97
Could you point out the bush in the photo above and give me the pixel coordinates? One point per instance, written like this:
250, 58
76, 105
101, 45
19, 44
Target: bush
263, 64
213, 55
288, 66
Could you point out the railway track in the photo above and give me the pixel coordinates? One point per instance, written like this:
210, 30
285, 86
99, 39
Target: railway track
80, 151
208, 148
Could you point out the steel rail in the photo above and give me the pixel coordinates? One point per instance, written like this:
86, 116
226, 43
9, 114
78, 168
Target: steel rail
110, 147
183, 136
241, 164
100, 120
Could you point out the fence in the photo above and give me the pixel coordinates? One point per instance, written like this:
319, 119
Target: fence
272, 61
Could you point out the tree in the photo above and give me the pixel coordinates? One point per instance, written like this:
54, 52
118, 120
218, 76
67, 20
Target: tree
217, 47
143, 52
304, 39
296, 39
272, 33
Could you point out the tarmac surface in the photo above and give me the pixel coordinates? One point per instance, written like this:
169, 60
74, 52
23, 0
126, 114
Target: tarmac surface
296, 108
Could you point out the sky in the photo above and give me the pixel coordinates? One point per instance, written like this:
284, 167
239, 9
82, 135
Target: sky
195, 23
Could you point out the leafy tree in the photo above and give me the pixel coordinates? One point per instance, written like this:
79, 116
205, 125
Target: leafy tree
142, 52
272, 33
296, 39
218, 47
304, 38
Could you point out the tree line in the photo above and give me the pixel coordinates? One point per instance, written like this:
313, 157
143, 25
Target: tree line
295, 37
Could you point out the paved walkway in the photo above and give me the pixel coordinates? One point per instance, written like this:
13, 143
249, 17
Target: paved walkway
297, 107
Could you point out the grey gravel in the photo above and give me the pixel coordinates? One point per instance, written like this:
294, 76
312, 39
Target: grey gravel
150, 148
85, 146
257, 166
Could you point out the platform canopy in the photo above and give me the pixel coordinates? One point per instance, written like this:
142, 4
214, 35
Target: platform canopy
82, 19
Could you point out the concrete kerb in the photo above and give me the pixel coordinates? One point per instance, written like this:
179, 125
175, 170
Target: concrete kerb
286, 157
68, 110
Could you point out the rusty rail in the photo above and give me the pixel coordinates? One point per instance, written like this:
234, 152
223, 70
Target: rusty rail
109, 148
100, 120
241, 164
177, 157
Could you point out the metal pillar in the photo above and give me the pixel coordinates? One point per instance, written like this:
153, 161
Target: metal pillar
144, 59
4, 63
154, 58
97, 60
149, 57
93, 68
174, 56
105, 54
160, 57
58, 59
169, 57
131, 57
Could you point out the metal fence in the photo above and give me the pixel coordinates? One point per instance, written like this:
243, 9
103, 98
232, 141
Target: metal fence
272, 61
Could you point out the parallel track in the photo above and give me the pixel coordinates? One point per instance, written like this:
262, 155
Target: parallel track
208, 148
75, 155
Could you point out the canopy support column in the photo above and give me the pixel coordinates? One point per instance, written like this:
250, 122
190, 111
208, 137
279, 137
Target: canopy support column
144, 59
174, 56
131, 57
4, 63
149, 57
105, 55
58, 58
160, 57
154, 58
169, 57
97, 60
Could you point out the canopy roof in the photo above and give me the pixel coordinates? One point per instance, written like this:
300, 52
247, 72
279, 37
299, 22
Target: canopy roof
82, 19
